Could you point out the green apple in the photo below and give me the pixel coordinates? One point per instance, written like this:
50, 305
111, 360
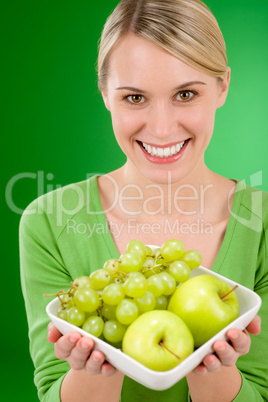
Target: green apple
159, 340
206, 304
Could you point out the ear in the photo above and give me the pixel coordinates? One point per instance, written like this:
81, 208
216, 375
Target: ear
224, 87
105, 100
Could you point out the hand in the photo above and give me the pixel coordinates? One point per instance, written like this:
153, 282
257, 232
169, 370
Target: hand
227, 353
78, 352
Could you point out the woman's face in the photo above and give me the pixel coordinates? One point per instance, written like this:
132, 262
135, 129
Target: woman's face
162, 110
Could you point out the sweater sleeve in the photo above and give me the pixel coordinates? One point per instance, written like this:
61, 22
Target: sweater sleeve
42, 271
254, 365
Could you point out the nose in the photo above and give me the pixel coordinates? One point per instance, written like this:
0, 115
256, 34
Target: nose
162, 120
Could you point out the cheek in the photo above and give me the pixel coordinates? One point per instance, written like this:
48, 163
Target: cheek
203, 120
126, 124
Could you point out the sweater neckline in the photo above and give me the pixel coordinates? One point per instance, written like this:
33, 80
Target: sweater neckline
226, 243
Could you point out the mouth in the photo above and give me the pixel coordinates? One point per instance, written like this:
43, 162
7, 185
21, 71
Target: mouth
167, 154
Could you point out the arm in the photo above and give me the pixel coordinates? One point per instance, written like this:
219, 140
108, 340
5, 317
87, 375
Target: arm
218, 377
249, 256
43, 270
78, 384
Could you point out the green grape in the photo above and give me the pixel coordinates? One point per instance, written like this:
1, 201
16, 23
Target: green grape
94, 325
135, 274
99, 279
111, 265
138, 247
135, 286
151, 270
146, 302
130, 262
62, 313
66, 300
172, 250
161, 303
149, 251
168, 282
163, 263
87, 299
82, 282
180, 271
119, 279
193, 258
148, 263
108, 311
126, 311
116, 345
91, 314
147, 266
113, 294
155, 285
75, 316
157, 253
114, 331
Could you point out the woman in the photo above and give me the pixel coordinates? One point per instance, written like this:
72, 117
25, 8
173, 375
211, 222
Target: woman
163, 74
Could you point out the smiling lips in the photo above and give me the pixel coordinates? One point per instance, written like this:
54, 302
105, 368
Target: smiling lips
163, 154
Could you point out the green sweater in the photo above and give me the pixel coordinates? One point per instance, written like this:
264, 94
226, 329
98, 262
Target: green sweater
64, 234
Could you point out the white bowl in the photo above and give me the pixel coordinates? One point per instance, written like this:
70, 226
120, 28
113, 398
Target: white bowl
249, 302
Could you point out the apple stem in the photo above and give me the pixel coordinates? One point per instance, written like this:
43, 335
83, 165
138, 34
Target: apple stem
230, 291
170, 351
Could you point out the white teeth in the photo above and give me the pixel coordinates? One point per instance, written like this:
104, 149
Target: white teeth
160, 152
166, 152
163, 152
145, 146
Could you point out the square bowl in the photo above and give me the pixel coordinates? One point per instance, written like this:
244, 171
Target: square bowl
249, 302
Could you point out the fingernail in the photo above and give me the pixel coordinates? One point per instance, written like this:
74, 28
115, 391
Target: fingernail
234, 335
222, 348
85, 345
72, 339
95, 359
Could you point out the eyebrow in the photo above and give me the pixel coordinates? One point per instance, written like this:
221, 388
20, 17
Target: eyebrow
141, 91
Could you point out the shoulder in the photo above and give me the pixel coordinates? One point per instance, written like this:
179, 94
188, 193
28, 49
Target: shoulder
56, 207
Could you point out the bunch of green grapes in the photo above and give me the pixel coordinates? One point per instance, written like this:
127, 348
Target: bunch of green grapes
111, 298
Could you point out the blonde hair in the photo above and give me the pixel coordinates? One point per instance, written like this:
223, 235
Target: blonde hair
185, 28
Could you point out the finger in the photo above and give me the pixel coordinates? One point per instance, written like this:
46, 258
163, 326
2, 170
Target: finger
240, 341
94, 363
226, 353
254, 327
212, 363
200, 370
53, 333
107, 369
65, 345
80, 353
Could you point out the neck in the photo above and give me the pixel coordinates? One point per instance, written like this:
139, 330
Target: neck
137, 194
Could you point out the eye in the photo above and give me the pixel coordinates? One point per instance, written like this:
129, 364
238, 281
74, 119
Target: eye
136, 99
185, 95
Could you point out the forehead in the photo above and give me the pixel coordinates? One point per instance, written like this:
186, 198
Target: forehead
139, 61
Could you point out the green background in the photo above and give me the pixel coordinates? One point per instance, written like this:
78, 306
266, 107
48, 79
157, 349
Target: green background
55, 129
